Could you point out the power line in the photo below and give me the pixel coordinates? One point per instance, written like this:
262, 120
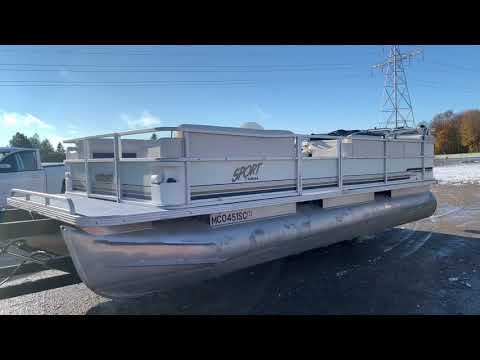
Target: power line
123, 82
66, 51
172, 71
85, 51
139, 83
178, 66
148, 82
453, 66
448, 88
366, 49
118, 84
53, 83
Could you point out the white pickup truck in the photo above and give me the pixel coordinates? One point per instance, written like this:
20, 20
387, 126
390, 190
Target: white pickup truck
22, 169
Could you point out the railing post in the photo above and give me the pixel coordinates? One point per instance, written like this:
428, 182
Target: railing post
385, 163
423, 158
340, 163
186, 139
116, 167
71, 206
299, 140
86, 154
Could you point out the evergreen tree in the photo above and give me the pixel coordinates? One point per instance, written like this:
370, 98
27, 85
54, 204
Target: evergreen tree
47, 153
35, 141
20, 140
60, 153
60, 148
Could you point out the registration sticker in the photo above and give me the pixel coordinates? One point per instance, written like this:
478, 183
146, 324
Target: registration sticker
240, 216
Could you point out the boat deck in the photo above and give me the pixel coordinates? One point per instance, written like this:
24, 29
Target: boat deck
84, 211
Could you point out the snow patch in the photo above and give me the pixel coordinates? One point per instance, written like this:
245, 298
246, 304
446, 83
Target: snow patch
458, 174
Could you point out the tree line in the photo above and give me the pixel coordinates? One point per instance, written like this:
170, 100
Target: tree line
456, 132
47, 152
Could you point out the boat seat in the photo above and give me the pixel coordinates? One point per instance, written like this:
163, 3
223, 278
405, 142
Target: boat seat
166, 148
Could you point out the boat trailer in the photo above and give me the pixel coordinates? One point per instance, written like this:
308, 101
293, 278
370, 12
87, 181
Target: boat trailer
21, 235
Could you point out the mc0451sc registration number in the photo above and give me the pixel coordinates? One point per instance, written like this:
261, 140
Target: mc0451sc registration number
240, 216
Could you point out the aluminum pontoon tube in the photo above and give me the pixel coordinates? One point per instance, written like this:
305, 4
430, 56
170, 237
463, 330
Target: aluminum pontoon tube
175, 253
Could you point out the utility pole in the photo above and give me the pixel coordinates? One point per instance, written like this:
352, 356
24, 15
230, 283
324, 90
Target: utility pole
397, 106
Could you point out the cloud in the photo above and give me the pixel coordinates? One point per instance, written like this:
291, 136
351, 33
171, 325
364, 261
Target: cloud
27, 124
54, 139
9, 120
12, 119
30, 120
146, 120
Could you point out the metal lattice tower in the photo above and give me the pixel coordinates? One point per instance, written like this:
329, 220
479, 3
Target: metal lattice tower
397, 107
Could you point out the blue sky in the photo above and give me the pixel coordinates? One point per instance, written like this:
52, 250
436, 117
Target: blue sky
300, 88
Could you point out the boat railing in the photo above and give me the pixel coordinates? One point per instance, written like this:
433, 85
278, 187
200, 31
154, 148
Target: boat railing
45, 199
187, 159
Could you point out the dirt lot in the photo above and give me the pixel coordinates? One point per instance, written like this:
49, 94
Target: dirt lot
427, 267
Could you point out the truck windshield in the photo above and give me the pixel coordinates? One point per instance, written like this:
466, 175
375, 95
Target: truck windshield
3, 154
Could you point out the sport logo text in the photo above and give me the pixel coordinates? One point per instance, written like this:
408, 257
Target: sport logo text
248, 172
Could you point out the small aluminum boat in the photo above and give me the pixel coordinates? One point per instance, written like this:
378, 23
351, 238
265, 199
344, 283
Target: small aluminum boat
149, 214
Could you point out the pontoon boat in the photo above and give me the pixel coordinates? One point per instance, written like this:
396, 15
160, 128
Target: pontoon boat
143, 214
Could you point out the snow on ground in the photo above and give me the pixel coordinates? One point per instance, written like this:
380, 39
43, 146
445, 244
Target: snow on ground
458, 174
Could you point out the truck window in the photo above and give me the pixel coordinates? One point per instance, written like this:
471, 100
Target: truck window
12, 161
28, 160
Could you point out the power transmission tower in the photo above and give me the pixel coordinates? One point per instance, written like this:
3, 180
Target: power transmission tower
397, 106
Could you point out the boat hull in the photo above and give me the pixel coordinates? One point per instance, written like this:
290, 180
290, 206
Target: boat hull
176, 253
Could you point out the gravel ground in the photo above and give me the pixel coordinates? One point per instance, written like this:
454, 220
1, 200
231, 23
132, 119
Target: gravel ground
428, 267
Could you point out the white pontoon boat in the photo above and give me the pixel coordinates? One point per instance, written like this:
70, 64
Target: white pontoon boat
142, 215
